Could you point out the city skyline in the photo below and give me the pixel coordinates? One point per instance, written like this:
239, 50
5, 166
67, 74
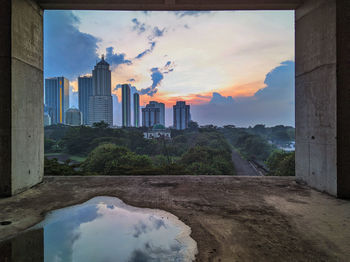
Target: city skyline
240, 77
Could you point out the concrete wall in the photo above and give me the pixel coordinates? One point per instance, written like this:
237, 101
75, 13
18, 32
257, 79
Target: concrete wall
22, 135
322, 95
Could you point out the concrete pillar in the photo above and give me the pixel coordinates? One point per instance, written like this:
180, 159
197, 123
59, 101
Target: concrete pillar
323, 95
21, 95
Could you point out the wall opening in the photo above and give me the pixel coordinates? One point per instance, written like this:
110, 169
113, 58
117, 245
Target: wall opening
182, 92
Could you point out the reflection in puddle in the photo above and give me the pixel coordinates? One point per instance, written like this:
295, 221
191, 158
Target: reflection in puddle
106, 229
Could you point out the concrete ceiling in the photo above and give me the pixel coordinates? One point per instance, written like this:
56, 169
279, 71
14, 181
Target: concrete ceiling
170, 4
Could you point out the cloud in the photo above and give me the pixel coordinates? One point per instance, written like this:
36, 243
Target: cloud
202, 96
219, 99
140, 228
138, 26
116, 59
190, 13
156, 32
279, 84
67, 51
147, 51
271, 105
157, 75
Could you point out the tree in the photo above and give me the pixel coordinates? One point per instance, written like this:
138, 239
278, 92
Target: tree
193, 126
281, 163
201, 160
53, 168
259, 129
110, 159
48, 144
101, 124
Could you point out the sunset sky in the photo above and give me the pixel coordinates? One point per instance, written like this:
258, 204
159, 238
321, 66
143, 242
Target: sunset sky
232, 67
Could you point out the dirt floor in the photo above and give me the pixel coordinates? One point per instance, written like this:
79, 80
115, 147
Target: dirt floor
232, 218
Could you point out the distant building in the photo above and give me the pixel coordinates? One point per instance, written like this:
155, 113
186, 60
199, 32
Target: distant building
100, 103
47, 119
84, 92
158, 131
182, 115
74, 117
126, 106
136, 110
153, 114
57, 98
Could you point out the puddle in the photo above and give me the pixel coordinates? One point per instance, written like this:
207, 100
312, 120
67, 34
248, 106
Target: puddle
104, 229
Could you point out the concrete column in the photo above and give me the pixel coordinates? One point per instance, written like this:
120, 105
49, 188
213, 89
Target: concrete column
343, 97
322, 95
21, 96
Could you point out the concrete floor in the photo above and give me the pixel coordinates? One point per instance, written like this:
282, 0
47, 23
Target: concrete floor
232, 218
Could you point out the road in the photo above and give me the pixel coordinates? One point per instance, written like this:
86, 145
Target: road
242, 166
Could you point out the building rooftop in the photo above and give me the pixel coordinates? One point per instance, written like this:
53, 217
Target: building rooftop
103, 61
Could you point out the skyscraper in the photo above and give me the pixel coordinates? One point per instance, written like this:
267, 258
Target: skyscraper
150, 116
126, 114
153, 113
182, 115
84, 92
136, 110
57, 98
100, 103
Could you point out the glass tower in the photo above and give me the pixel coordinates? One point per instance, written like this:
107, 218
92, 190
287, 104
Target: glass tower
85, 91
57, 98
126, 107
136, 110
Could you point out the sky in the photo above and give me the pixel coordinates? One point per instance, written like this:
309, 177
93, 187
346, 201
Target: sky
232, 67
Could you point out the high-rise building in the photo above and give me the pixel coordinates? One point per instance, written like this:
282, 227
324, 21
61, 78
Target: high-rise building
161, 107
182, 115
153, 114
126, 106
136, 110
57, 98
73, 117
100, 103
84, 92
150, 116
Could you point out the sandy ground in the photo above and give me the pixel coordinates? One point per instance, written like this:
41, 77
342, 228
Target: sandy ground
232, 218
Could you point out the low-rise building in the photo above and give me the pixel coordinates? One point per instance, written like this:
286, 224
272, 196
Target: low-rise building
74, 117
47, 119
158, 131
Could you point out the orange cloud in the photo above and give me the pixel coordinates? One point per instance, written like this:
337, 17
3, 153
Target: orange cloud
247, 89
